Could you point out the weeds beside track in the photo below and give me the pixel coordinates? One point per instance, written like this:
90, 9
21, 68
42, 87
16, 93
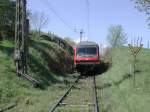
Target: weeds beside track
92, 95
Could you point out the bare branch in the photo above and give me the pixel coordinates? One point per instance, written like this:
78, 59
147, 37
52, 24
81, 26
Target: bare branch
38, 21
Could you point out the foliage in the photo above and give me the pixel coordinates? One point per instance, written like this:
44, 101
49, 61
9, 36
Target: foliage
58, 40
143, 6
47, 62
7, 19
116, 36
70, 41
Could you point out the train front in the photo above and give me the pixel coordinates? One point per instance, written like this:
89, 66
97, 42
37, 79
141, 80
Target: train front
86, 57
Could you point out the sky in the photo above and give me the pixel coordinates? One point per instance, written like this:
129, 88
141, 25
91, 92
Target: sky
102, 14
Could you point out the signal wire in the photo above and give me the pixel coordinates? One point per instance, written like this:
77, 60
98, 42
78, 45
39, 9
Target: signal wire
88, 17
58, 16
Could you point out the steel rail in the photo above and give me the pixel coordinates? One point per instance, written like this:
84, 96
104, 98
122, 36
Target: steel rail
65, 95
96, 106
8, 108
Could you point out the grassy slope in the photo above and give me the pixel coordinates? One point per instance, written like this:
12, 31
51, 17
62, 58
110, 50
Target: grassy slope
6, 75
117, 92
43, 55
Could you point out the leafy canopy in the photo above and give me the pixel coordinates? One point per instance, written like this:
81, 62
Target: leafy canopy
7, 18
143, 6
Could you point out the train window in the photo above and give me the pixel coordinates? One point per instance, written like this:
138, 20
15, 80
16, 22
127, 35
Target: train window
86, 51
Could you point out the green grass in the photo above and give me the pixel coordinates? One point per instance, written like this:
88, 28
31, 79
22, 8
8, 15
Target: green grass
42, 57
121, 94
116, 91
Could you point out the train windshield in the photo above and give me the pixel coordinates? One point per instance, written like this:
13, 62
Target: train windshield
86, 51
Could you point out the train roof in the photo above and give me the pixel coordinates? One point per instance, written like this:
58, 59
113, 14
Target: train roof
87, 43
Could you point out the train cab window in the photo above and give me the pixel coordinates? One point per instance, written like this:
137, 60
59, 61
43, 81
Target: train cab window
86, 51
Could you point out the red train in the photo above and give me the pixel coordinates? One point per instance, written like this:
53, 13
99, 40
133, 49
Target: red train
86, 57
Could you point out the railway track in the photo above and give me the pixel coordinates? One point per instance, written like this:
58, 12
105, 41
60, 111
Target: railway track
96, 106
8, 107
93, 95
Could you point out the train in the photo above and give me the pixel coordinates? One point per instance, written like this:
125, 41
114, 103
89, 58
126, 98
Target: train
86, 57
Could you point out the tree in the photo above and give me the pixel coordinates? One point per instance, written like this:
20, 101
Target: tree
143, 6
7, 18
38, 21
69, 41
116, 36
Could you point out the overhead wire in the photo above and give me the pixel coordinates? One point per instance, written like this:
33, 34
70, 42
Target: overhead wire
88, 17
58, 16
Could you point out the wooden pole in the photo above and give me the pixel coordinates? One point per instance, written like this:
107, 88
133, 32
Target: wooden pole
20, 37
